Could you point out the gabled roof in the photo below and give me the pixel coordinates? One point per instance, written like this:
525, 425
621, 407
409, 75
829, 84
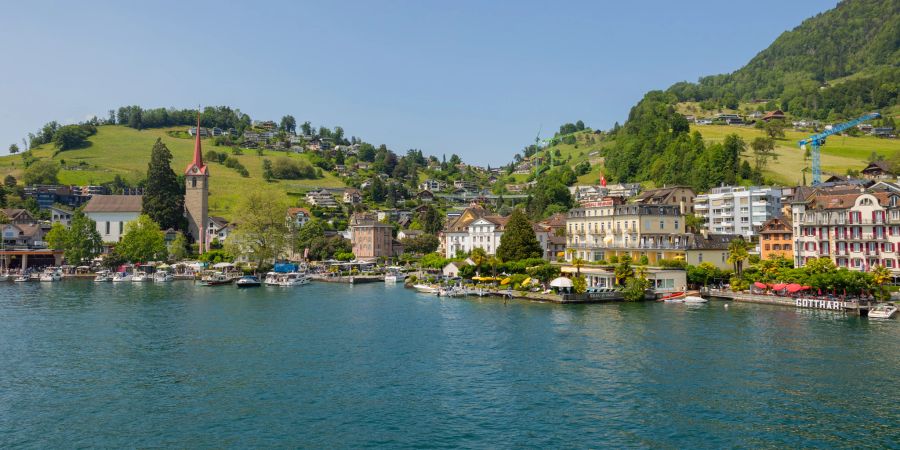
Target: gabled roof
877, 166
711, 241
774, 225
293, 211
218, 221
659, 195
115, 203
844, 200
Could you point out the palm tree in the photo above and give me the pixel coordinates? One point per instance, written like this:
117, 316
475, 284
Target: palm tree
578, 263
881, 275
494, 261
737, 253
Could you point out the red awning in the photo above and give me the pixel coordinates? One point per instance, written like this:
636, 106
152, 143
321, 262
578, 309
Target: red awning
779, 286
805, 288
760, 285
793, 287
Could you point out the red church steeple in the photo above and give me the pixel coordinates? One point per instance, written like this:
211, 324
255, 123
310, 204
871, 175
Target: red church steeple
196, 166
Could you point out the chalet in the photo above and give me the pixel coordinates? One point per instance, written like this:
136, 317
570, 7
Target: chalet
877, 170
217, 228
61, 215
18, 216
773, 115
425, 196
24, 236
352, 196
432, 185
298, 217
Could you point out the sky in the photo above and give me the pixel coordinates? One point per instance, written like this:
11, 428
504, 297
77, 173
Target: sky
475, 78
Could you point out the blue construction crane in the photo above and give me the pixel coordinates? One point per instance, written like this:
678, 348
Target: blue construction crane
818, 140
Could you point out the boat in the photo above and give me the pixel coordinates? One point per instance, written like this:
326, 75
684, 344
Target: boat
672, 296
882, 312
451, 292
24, 278
163, 276
247, 281
216, 279
694, 299
51, 274
121, 276
271, 279
394, 275
424, 288
141, 276
293, 279
103, 276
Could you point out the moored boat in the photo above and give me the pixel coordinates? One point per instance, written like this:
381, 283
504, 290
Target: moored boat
673, 296
141, 276
216, 279
424, 288
882, 312
247, 281
694, 299
163, 276
394, 275
51, 274
121, 277
103, 276
293, 279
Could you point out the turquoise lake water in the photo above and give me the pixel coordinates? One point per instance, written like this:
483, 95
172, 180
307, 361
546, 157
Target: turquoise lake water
325, 366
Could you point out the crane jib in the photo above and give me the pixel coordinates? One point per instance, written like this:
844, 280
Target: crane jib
817, 140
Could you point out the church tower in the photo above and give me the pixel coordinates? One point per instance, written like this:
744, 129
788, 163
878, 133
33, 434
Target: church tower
196, 194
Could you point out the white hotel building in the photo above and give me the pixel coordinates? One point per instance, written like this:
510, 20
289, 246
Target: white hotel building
737, 209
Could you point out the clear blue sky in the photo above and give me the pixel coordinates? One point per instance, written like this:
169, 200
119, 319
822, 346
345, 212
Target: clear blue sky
475, 78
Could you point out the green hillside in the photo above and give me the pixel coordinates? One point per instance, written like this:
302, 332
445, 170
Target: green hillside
837, 64
118, 150
840, 153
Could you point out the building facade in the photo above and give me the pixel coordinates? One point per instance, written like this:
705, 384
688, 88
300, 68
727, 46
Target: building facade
196, 196
857, 230
737, 209
111, 213
598, 230
776, 238
372, 239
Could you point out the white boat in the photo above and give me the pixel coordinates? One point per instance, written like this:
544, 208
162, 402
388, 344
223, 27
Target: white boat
163, 276
141, 276
24, 278
694, 299
51, 274
121, 276
103, 276
675, 300
424, 288
394, 275
293, 279
271, 279
451, 292
882, 312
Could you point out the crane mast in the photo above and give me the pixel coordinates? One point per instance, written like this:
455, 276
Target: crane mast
817, 140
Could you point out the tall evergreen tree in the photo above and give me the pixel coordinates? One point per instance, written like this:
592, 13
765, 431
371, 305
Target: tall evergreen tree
164, 195
518, 241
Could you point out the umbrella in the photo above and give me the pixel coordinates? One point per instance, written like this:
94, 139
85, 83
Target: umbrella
793, 287
759, 285
561, 282
526, 281
779, 286
505, 281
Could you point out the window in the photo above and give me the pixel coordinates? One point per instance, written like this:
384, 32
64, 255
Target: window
193, 182
107, 227
662, 225
121, 227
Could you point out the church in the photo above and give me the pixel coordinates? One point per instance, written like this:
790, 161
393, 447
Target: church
196, 195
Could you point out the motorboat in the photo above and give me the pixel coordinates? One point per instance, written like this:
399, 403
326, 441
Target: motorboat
121, 276
451, 292
216, 279
882, 312
293, 279
425, 289
103, 276
694, 299
271, 279
51, 274
23, 278
248, 281
672, 296
163, 276
140, 277
394, 275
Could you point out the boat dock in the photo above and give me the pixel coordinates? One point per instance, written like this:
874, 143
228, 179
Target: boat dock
858, 307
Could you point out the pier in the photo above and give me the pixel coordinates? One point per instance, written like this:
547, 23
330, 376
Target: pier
857, 307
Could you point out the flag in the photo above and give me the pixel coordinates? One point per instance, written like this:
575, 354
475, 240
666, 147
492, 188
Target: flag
602, 181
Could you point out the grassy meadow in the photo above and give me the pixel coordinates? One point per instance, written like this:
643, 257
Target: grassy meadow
118, 150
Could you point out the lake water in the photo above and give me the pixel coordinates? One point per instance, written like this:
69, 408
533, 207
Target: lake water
323, 366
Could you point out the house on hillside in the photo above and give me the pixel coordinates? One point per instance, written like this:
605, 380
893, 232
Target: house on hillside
773, 115
298, 217
877, 170
321, 198
218, 228
682, 196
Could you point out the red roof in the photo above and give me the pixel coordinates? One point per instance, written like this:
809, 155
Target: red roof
198, 153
